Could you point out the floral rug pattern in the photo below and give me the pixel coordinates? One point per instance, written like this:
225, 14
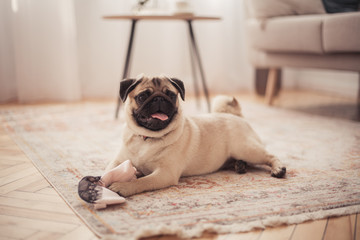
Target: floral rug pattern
322, 155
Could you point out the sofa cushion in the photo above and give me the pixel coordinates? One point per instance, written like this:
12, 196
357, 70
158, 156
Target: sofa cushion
336, 6
287, 34
321, 33
341, 32
275, 8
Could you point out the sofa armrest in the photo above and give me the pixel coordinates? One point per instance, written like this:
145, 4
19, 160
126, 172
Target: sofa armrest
263, 9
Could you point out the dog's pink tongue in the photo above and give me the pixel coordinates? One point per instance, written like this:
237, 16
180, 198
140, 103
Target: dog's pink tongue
160, 116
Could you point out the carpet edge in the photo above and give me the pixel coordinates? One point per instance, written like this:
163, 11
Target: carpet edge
241, 227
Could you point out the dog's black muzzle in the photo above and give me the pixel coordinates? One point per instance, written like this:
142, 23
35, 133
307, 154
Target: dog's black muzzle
156, 112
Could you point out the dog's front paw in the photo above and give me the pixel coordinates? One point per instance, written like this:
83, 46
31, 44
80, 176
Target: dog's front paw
278, 172
122, 188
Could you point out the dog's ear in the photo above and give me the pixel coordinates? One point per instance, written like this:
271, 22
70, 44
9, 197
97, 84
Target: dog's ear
179, 85
126, 86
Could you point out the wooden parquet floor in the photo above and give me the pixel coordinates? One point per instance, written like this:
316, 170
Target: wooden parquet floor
31, 209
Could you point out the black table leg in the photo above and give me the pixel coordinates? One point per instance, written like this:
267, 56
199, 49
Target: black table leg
194, 75
197, 56
127, 62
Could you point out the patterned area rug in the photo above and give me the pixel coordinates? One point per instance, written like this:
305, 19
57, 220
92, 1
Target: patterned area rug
69, 141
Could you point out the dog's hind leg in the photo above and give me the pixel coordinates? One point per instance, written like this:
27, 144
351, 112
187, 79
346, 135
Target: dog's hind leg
240, 166
256, 154
233, 164
277, 168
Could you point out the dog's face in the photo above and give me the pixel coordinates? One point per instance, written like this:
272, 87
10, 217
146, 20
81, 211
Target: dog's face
153, 101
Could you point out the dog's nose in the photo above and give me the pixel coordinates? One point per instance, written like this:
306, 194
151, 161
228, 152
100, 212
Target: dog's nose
158, 99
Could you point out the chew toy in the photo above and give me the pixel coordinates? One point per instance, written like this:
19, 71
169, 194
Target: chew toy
94, 189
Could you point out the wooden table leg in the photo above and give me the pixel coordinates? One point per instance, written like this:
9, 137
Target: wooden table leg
270, 86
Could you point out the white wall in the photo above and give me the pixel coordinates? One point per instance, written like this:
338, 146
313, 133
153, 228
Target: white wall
160, 46
8, 90
40, 57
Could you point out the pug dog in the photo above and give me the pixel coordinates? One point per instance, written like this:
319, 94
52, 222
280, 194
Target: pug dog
164, 144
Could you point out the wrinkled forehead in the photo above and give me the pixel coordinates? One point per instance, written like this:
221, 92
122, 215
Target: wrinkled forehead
155, 84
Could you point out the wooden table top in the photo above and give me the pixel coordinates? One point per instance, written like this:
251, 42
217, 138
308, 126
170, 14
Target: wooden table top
186, 17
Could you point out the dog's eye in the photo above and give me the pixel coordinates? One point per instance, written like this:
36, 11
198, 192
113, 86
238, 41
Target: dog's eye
142, 97
171, 95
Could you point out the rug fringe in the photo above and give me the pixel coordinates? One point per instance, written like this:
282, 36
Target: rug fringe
197, 231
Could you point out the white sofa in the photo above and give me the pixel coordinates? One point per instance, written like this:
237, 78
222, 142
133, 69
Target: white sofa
299, 33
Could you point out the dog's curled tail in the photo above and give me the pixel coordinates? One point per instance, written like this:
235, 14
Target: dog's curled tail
226, 104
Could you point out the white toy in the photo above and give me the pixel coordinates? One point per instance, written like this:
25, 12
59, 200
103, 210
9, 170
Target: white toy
94, 189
